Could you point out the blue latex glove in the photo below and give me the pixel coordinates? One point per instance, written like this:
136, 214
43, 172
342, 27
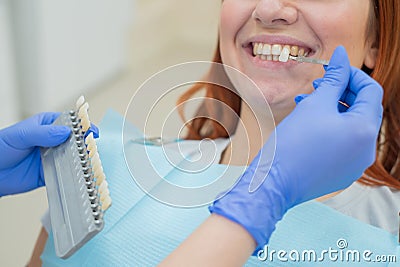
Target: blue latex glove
20, 163
318, 151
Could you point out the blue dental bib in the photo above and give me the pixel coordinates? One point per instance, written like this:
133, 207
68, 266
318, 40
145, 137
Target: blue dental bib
141, 231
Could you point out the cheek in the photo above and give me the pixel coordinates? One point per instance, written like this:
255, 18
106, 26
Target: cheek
234, 15
345, 26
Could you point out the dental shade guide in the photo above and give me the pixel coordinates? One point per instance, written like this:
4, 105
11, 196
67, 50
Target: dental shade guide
77, 192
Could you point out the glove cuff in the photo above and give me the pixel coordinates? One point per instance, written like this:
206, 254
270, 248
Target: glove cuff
258, 212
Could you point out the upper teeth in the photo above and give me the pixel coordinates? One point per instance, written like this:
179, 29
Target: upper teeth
277, 52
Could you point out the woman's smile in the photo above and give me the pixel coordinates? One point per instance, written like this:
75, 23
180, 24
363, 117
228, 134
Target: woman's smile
258, 38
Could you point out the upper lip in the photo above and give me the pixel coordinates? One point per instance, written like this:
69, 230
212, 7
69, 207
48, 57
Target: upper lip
278, 39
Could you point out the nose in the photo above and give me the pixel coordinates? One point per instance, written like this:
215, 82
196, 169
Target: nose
273, 13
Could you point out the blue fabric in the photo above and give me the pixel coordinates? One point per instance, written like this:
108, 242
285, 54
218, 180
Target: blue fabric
140, 231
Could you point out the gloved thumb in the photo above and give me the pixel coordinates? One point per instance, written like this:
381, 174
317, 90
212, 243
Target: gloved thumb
40, 135
367, 96
336, 78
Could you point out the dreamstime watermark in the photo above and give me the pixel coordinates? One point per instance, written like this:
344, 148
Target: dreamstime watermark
340, 253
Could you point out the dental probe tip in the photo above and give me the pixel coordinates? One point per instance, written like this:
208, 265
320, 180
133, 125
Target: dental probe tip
302, 59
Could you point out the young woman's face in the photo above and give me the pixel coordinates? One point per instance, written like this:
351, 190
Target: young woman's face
313, 27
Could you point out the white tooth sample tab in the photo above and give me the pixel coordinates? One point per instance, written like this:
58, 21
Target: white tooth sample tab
97, 170
100, 178
103, 187
84, 116
105, 194
90, 142
83, 109
93, 151
284, 57
85, 121
80, 102
89, 139
95, 160
106, 203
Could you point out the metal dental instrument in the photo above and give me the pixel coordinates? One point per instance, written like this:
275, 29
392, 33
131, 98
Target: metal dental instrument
155, 141
302, 59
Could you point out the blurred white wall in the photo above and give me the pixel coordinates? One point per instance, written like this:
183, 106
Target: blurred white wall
9, 109
66, 48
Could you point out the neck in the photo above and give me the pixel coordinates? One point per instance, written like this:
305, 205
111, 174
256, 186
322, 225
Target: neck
251, 133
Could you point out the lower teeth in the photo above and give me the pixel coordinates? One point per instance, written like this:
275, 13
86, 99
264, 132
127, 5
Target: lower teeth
281, 58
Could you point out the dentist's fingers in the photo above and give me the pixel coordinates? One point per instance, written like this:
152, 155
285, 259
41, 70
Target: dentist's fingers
45, 118
300, 98
368, 97
317, 83
336, 78
40, 135
93, 129
35, 131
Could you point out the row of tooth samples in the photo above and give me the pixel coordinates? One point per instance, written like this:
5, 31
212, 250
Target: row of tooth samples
84, 162
98, 172
277, 52
83, 112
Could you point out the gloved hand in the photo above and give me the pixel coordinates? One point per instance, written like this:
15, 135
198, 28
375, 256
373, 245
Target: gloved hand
20, 163
318, 150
